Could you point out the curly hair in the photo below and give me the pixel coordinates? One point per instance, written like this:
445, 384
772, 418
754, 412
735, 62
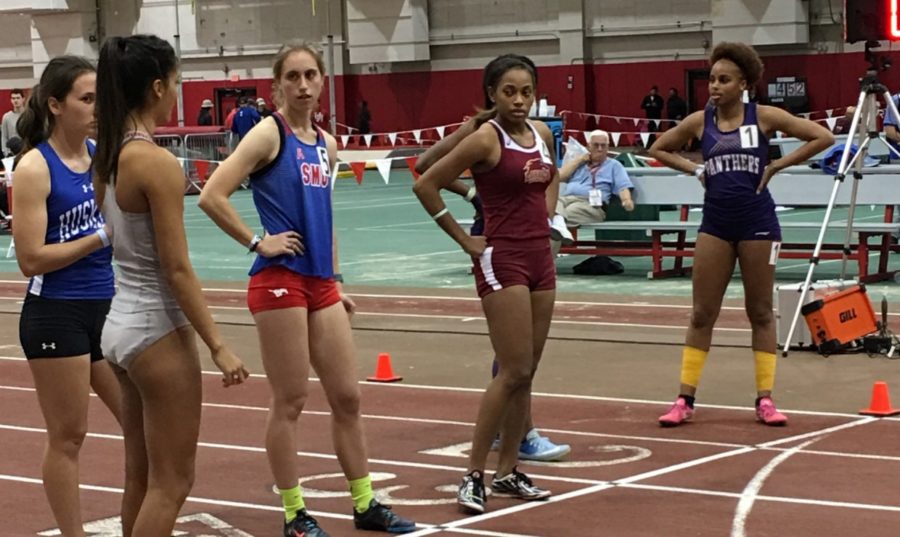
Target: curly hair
744, 56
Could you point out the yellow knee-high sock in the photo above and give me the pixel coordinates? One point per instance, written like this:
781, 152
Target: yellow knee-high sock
765, 370
292, 499
692, 361
361, 492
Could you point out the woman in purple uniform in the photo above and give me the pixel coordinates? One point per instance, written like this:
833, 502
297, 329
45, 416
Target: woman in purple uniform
739, 222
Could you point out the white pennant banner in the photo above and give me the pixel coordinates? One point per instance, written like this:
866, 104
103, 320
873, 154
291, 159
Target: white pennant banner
392, 136
384, 168
657, 122
417, 134
587, 135
805, 115
645, 138
615, 138
344, 139
368, 139
829, 112
831, 121
636, 121
440, 131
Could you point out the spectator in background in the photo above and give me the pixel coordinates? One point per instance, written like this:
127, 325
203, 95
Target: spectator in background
590, 182
676, 108
262, 108
229, 119
653, 106
321, 119
245, 119
365, 118
8, 123
204, 119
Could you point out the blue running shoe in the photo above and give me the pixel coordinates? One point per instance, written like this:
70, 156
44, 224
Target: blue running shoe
539, 448
379, 517
303, 526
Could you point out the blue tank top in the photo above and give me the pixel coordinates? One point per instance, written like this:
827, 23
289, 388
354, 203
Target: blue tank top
734, 162
72, 213
293, 193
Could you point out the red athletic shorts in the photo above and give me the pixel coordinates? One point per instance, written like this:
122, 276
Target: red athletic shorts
277, 288
507, 264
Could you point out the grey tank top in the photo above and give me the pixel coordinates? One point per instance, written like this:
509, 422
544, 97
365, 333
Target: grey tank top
141, 283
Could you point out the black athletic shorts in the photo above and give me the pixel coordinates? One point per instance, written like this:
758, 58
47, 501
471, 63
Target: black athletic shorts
58, 328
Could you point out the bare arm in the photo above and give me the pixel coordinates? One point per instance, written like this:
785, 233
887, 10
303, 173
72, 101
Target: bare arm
817, 137
31, 187
552, 192
256, 150
891, 132
477, 148
568, 169
674, 139
434, 153
349, 304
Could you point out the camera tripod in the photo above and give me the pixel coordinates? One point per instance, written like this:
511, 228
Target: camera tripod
865, 115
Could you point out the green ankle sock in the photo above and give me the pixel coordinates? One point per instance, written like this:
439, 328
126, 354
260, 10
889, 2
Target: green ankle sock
292, 499
362, 493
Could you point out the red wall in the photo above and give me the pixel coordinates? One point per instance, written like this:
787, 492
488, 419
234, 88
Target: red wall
403, 101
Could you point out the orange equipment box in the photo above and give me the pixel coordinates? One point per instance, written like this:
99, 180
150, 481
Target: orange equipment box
839, 318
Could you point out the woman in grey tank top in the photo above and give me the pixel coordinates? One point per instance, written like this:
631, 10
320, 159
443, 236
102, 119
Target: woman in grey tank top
148, 337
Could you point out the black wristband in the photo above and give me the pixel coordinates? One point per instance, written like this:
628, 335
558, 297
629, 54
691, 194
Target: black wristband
338, 277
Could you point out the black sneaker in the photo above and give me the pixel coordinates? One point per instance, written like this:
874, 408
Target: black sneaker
303, 526
518, 485
471, 495
379, 517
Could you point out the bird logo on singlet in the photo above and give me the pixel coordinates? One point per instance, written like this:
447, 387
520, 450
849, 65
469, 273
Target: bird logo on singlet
536, 171
280, 292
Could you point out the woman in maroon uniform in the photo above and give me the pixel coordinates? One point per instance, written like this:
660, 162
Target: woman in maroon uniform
512, 162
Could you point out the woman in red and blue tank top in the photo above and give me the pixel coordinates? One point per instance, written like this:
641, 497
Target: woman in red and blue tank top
513, 165
739, 222
302, 315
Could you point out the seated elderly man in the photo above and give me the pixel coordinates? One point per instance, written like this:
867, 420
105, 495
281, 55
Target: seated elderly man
590, 181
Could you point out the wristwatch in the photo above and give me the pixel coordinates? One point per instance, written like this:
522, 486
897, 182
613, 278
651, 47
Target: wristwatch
254, 242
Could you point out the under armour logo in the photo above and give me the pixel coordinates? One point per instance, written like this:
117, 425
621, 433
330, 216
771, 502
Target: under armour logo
278, 292
87, 187
46, 346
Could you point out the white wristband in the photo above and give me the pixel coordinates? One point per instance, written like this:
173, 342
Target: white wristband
440, 213
470, 195
699, 170
104, 238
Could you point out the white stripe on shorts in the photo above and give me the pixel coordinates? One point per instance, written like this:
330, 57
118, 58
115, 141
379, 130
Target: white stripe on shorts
488, 270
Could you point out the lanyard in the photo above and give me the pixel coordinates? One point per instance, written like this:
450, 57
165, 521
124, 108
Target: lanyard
594, 172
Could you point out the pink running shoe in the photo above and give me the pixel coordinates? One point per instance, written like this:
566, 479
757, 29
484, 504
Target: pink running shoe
679, 413
768, 414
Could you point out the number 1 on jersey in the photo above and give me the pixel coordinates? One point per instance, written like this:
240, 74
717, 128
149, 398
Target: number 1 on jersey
749, 137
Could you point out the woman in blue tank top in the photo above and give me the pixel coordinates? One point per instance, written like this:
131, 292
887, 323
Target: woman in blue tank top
62, 245
295, 295
739, 222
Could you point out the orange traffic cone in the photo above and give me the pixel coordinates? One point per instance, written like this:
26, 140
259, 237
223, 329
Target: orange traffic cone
383, 370
881, 402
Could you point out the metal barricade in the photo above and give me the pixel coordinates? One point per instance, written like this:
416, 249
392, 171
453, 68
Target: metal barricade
214, 146
172, 142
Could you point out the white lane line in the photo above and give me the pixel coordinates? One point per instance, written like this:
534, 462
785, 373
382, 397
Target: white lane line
432, 421
327, 456
751, 491
460, 389
856, 423
191, 499
765, 498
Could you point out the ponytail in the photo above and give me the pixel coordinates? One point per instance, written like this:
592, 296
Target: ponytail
126, 71
32, 124
111, 111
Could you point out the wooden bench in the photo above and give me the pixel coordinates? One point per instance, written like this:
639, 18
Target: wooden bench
799, 186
